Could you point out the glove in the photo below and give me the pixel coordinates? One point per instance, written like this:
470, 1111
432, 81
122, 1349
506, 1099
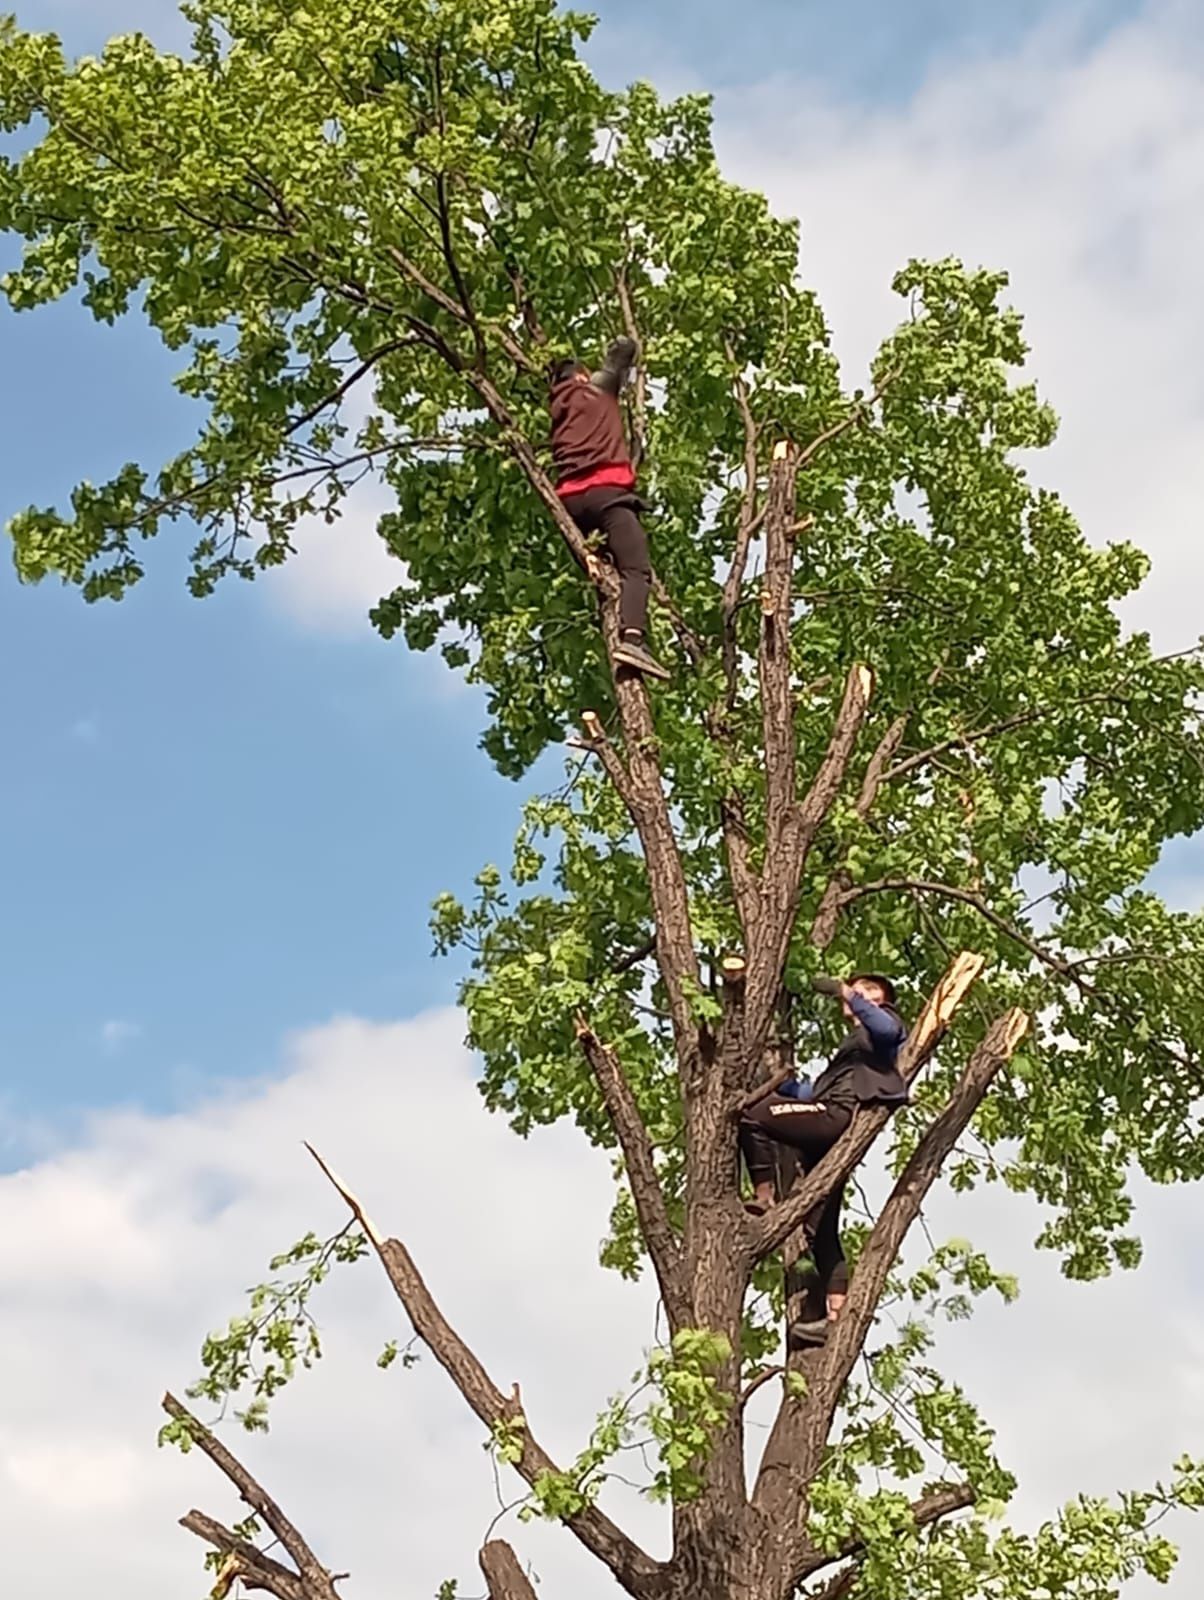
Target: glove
830, 986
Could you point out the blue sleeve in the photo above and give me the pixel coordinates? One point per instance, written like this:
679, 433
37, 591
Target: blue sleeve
797, 1089
886, 1032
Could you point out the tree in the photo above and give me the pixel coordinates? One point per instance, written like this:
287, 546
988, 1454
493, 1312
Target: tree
905, 723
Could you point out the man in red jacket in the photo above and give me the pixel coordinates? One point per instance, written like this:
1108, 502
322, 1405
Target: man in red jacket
596, 481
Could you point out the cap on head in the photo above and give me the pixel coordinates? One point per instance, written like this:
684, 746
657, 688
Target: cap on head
887, 987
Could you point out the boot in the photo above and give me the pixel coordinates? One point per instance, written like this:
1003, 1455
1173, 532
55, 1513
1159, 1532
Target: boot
630, 652
804, 1335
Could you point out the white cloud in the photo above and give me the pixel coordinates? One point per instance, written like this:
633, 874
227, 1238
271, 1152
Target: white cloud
1082, 173
340, 570
115, 1033
119, 1250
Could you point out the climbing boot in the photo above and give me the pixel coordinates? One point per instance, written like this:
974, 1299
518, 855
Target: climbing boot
630, 652
804, 1335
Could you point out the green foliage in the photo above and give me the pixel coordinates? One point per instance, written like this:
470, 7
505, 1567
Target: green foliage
290, 207
690, 1408
675, 1408
261, 1350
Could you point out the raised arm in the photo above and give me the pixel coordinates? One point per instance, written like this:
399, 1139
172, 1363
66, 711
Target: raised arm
884, 1028
612, 374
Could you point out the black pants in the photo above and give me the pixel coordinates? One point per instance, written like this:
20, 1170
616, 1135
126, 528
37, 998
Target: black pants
812, 1130
614, 513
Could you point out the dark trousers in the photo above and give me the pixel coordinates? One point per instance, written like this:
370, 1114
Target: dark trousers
812, 1130
614, 513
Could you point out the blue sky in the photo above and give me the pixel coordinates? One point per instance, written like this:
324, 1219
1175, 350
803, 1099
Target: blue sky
222, 824
219, 822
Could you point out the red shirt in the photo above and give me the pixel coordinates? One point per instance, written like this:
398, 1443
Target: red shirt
617, 476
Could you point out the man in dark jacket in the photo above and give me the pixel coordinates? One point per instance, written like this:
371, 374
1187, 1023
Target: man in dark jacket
596, 481
812, 1117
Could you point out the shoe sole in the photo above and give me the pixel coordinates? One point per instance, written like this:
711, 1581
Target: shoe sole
642, 667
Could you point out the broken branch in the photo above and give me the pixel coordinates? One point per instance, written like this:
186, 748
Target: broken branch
244, 1562
634, 1569
503, 1574
312, 1574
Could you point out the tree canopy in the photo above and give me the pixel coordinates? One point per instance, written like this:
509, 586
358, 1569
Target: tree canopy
905, 720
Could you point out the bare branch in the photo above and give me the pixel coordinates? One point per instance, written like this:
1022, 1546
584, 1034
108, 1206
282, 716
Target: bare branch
646, 1191
503, 1574
315, 1580
636, 1571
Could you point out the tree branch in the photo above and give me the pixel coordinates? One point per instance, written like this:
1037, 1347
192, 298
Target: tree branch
825, 787
315, 1580
503, 1574
689, 640
603, 576
244, 1561
782, 878
1019, 719
633, 958
773, 657
746, 530
858, 413
968, 897
646, 1191
637, 1572
453, 266
389, 347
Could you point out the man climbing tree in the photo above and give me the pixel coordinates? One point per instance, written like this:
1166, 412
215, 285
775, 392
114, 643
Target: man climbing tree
909, 729
863, 1072
596, 481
